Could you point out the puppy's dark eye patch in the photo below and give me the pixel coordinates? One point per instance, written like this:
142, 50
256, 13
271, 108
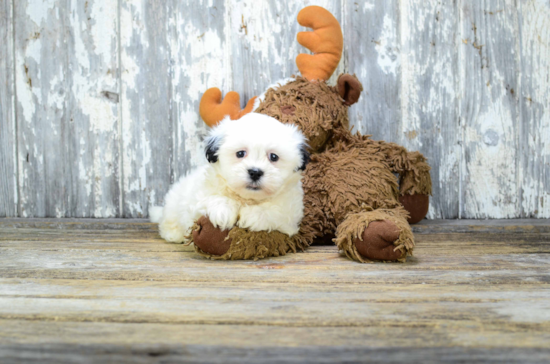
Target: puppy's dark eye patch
288, 110
241, 154
273, 157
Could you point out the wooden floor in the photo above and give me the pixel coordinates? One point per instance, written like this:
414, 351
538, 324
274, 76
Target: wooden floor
113, 291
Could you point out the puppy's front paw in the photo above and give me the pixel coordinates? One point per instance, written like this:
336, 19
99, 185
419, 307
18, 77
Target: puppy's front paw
223, 216
289, 229
256, 218
251, 217
172, 231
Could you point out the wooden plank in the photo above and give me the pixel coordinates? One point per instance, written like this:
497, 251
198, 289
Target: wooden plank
429, 102
171, 265
439, 244
275, 304
482, 226
147, 125
534, 132
352, 338
489, 109
67, 108
43, 139
424, 227
200, 58
8, 128
438, 265
144, 343
79, 224
373, 53
93, 107
263, 42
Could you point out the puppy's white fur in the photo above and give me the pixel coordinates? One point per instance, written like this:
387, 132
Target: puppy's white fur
225, 192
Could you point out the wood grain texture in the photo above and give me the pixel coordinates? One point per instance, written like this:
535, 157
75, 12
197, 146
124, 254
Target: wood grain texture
147, 126
139, 343
489, 109
8, 128
44, 143
70, 292
534, 128
200, 59
371, 38
66, 72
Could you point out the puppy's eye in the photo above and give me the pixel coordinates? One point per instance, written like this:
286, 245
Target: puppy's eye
273, 157
241, 154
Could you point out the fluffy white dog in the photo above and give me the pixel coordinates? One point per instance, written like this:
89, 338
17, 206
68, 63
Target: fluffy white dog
253, 179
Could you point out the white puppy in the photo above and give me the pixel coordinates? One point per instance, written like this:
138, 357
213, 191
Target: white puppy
253, 179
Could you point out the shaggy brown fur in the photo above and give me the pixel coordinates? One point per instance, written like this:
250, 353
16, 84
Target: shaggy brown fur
257, 245
318, 109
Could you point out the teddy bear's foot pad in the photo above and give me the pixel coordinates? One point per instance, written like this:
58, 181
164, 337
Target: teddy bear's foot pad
417, 205
211, 239
378, 241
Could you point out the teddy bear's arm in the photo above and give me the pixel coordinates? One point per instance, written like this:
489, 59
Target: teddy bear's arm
238, 243
415, 182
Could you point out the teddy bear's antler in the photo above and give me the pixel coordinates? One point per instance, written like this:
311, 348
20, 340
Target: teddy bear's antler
326, 42
212, 109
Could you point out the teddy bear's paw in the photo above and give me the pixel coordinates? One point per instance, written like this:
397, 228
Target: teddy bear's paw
210, 239
378, 241
417, 206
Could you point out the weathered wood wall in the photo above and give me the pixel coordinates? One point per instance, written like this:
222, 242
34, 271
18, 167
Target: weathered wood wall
99, 98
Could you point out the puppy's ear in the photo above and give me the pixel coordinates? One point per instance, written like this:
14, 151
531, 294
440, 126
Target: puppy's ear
305, 157
212, 147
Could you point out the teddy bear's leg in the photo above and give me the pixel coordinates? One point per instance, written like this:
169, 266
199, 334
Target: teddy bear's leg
415, 183
382, 234
415, 187
238, 243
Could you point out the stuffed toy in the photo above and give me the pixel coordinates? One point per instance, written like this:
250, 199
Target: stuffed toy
351, 193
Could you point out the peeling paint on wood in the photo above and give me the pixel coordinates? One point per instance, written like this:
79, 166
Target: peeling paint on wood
66, 59
200, 59
372, 46
534, 103
8, 129
147, 130
99, 99
489, 109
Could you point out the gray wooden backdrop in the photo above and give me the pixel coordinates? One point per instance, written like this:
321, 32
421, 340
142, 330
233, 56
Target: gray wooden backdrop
99, 98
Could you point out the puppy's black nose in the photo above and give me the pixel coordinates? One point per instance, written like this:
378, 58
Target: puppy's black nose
255, 174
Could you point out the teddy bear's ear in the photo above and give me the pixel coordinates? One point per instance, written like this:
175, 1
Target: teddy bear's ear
349, 88
212, 109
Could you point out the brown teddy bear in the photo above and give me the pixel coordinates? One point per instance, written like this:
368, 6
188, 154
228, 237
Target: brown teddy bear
351, 193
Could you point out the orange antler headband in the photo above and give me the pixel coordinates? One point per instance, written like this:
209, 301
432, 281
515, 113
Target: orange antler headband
326, 42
